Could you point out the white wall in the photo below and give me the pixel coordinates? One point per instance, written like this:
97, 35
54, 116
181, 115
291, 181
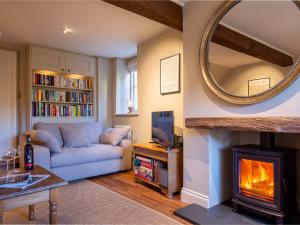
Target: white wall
21, 84
8, 100
105, 91
149, 97
235, 80
199, 101
219, 72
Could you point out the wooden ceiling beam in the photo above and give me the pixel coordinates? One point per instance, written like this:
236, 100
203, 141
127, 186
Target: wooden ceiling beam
162, 11
241, 43
297, 2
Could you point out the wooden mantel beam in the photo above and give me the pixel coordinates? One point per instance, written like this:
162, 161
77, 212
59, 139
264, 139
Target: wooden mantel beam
241, 43
257, 124
162, 11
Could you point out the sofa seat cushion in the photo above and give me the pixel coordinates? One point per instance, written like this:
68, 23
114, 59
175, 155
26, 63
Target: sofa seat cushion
93, 153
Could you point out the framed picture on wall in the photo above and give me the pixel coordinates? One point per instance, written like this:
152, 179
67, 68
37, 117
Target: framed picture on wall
170, 74
257, 86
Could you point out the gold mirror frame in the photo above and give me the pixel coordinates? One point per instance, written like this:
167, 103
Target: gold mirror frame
290, 77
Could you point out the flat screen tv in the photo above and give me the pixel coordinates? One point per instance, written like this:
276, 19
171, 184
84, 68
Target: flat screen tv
163, 128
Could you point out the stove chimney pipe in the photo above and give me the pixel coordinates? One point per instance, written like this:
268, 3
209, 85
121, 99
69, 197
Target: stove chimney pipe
267, 140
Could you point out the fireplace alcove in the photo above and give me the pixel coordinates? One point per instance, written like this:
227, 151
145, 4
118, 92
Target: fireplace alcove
268, 183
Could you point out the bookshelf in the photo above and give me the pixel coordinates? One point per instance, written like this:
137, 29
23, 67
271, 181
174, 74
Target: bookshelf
62, 86
56, 95
166, 167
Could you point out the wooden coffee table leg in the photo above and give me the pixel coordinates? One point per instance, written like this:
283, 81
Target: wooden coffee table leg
53, 206
1, 211
31, 212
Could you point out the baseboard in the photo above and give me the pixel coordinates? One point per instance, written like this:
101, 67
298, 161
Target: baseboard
190, 196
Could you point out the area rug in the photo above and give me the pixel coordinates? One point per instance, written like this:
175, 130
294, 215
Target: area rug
85, 202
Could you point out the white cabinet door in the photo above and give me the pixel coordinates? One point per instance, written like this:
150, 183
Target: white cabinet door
8, 100
48, 59
80, 64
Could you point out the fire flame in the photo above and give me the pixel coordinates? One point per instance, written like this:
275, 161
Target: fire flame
257, 179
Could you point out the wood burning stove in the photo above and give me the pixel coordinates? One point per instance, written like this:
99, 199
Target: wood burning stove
264, 180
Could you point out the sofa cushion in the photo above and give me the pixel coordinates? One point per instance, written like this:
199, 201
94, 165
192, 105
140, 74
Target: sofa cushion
93, 153
46, 139
113, 136
51, 128
75, 137
93, 129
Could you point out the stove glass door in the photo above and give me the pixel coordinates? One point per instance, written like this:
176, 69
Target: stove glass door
256, 179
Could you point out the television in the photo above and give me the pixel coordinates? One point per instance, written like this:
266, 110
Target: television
163, 128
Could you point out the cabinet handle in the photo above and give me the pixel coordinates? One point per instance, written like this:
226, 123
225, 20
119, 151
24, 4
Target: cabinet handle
69, 70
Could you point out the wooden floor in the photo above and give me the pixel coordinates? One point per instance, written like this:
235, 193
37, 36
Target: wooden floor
147, 195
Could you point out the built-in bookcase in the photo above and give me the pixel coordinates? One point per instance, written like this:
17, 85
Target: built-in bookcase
62, 95
62, 86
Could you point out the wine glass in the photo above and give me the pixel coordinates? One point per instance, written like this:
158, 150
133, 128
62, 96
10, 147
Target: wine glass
3, 158
19, 154
11, 154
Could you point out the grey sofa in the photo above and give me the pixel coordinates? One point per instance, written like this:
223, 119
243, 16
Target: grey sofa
77, 163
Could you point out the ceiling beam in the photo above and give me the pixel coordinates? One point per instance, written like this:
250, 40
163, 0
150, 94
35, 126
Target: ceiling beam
297, 2
241, 43
162, 11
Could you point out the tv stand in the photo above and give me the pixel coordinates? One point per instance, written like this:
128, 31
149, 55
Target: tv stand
171, 158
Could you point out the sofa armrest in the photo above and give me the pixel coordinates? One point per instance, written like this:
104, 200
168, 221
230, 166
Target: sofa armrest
41, 156
127, 153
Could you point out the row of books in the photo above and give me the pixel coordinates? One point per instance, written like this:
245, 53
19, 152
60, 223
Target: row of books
61, 81
61, 96
143, 168
53, 110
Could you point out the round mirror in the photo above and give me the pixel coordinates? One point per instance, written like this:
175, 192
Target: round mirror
250, 50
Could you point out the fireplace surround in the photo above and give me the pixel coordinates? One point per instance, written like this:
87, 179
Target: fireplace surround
264, 180
271, 187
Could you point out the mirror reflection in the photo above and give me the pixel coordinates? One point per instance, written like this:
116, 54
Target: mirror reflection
254, 46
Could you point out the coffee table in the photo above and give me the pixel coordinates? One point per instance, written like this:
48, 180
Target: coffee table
46, 190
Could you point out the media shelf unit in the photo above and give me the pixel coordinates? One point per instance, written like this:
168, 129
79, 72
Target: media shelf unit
172, 159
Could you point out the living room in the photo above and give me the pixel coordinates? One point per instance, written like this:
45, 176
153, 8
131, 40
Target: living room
124, 113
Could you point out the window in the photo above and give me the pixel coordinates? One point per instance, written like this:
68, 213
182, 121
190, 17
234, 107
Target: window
126, 87
134, 89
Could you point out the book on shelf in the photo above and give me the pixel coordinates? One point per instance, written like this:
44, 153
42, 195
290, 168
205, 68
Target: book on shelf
143, 168
39, 94
61, 81
53, 110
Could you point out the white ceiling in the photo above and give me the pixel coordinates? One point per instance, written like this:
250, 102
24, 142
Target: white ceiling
98, 28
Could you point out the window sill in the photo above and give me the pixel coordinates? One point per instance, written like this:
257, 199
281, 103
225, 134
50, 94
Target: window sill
127, 115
